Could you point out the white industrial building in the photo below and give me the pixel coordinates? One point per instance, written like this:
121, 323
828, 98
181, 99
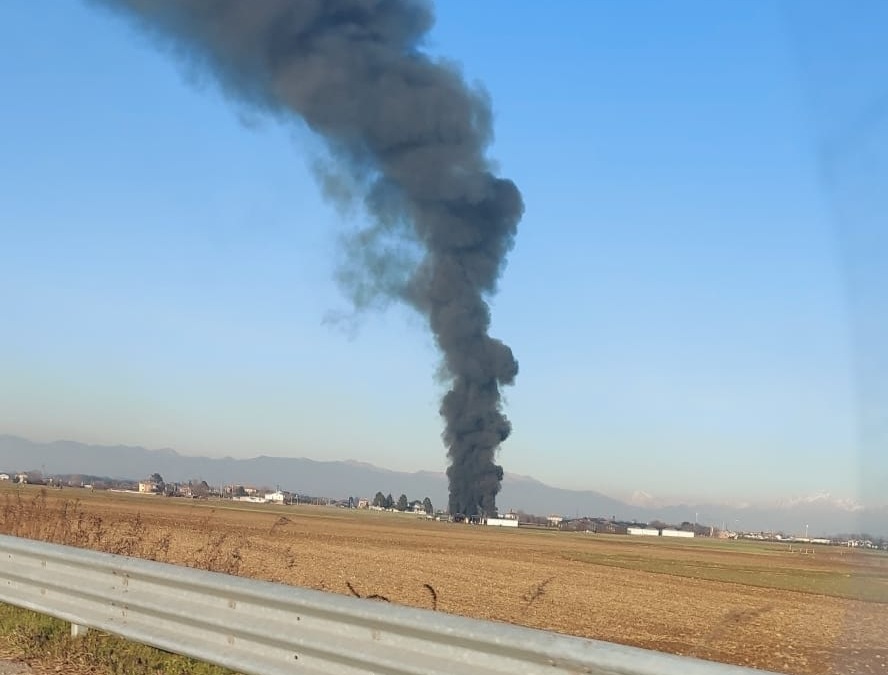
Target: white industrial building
651, 532
643, 531
501, 522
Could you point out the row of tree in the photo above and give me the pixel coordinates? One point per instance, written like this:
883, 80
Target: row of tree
193, 488
387, 502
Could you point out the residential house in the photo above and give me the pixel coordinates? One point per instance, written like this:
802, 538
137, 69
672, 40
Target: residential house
147, 487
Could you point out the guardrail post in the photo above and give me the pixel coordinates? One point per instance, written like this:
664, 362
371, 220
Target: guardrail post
78, 630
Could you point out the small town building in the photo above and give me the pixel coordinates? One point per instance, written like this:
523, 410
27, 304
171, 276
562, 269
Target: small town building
643, 531
501, 522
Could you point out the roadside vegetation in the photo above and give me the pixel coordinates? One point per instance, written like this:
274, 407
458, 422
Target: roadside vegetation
63, 521
44, 641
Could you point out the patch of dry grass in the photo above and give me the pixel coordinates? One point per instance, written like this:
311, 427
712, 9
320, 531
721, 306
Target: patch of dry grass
46, 641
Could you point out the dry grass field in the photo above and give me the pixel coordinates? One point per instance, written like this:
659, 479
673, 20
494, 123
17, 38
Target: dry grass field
744, 603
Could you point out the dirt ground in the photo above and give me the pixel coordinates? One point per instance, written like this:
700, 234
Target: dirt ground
724, 601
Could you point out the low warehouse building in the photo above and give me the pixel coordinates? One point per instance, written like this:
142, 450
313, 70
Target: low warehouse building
501, 522
643, 531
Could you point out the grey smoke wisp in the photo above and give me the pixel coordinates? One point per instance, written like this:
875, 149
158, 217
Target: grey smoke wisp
410, 134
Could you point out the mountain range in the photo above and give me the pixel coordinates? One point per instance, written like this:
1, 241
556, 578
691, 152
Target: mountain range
823, 514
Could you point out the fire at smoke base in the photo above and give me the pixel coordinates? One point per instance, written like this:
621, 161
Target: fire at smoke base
412, 135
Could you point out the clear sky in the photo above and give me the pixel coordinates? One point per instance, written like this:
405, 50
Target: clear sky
695, 297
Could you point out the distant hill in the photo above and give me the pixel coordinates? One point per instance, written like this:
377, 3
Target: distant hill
358, 479
307, 476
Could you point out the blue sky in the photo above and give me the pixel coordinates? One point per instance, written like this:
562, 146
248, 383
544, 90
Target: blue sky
694, 296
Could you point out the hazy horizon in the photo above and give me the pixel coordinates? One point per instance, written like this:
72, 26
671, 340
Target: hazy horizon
636, 497
693, 297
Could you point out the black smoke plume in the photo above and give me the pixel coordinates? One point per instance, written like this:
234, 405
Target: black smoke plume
409, 135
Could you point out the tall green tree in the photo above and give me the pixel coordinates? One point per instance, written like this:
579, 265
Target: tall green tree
427, 505
389, 502
379, 500
402, 503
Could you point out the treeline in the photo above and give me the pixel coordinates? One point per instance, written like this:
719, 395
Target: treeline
402, 504
35, 477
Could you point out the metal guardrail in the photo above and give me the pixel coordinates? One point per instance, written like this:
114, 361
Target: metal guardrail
262, 628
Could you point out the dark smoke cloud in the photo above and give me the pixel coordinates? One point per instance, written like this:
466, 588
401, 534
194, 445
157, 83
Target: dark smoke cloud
407, 135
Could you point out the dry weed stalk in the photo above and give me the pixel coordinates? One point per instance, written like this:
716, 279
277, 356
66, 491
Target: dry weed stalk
537, 591
374, 596
433, 593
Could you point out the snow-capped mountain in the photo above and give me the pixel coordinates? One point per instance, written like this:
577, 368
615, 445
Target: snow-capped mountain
820, 499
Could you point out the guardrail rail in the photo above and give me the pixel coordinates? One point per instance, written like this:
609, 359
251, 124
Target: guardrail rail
262, 628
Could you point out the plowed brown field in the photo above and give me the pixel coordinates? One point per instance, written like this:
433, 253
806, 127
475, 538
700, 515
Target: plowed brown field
744, 603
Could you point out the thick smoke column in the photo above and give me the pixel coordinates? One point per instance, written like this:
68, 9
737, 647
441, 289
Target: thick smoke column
411, 135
